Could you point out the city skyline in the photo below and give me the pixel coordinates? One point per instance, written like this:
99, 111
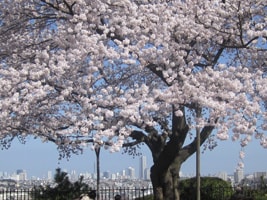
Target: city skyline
37, 158
236, 177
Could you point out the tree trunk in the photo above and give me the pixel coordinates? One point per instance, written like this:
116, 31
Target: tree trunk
165, 181
169, 152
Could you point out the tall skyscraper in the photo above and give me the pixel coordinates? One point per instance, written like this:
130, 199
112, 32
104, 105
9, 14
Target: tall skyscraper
142, 167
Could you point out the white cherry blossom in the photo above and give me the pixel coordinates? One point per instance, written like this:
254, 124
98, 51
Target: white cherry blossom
116, 73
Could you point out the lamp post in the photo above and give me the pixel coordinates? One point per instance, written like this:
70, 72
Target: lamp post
198, 163
198, 115
97, 152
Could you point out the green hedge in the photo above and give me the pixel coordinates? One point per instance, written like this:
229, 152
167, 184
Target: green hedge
212, 188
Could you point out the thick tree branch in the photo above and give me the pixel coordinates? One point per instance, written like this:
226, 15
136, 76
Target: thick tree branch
190, 149
57, 7
179, 127
153, 68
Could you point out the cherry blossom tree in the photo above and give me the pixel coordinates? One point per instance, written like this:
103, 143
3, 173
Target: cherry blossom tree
119, 73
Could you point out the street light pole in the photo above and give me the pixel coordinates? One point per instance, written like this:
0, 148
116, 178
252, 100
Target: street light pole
198, 115
198, 163
97, 152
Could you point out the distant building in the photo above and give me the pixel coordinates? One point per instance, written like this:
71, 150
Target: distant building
49, 176
131, 172
106, 174
86, 175
142, 167
21, 175
238, 175
113, 176
223, 176
123, 174
7, 183
147, 174
73, 176
258, 175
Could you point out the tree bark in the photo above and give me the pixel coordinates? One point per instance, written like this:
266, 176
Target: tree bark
165, 181
169, 152
167, 163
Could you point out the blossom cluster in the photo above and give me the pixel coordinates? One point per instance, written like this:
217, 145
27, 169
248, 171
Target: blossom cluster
101, 68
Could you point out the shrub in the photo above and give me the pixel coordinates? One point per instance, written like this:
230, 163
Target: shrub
212, 188
63, 190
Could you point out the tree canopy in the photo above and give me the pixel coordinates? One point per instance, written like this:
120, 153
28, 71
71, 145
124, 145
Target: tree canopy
108, 67
125, 72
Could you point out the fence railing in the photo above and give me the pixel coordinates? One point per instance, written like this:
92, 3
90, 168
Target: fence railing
126, 193
104, 194
16, 194
218, 193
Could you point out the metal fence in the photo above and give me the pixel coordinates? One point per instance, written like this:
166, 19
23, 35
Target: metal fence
218, 193
104, 194
126, 193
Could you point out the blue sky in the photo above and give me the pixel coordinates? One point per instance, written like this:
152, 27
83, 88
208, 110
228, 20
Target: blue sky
37, 158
